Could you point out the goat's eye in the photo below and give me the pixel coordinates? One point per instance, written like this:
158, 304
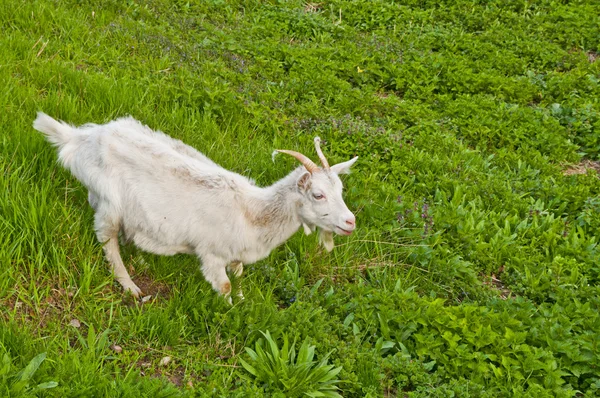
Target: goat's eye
318, 196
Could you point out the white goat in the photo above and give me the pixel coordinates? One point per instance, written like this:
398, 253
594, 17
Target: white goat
169, 198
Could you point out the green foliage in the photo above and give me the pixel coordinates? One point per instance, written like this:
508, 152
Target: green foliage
582, 124
16, 382
500, 346
294, 376
474, 268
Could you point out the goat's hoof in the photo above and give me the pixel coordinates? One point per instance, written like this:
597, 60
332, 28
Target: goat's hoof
133, 290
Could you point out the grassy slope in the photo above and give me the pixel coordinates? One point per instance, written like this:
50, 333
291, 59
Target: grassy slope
464, 115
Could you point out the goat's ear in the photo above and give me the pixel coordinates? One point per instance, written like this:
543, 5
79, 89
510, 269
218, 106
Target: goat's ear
344, 167
304, 181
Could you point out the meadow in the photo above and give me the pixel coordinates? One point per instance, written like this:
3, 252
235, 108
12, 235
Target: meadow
475, 265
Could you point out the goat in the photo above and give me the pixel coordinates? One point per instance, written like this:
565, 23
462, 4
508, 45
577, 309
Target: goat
168, 198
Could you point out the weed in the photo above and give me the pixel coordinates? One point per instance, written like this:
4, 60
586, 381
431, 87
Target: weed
474, 267
16, 381
293, 375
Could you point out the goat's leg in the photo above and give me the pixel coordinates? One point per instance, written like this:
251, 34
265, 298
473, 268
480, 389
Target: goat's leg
93, 200
108, 233
237, 268
214, 270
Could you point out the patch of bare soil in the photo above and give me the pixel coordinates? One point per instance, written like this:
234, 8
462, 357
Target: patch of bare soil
313, 7
151, 287
493, 282
152, 290
582, 168
156, 364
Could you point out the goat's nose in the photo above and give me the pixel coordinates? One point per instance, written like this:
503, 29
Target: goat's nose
351, 221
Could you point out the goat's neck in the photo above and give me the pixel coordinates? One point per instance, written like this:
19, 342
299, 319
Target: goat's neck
275, 210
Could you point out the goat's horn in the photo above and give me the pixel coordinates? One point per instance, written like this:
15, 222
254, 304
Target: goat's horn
320, 153
306, 162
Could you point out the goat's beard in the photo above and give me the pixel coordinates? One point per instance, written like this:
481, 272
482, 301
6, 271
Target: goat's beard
326, 238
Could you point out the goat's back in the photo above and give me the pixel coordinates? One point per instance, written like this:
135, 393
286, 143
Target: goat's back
151, 183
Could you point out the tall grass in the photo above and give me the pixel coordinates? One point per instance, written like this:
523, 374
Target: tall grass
474, 268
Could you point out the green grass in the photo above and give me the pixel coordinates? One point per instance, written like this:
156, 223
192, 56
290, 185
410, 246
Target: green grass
474, 270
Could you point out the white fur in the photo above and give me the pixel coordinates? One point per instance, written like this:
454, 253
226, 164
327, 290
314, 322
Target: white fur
169, 198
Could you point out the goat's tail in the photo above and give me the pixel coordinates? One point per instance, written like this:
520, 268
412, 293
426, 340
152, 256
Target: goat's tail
58, 133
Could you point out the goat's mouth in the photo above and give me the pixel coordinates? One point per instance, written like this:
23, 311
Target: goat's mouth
342, 231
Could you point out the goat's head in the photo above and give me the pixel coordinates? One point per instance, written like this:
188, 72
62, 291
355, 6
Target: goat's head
321, 189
